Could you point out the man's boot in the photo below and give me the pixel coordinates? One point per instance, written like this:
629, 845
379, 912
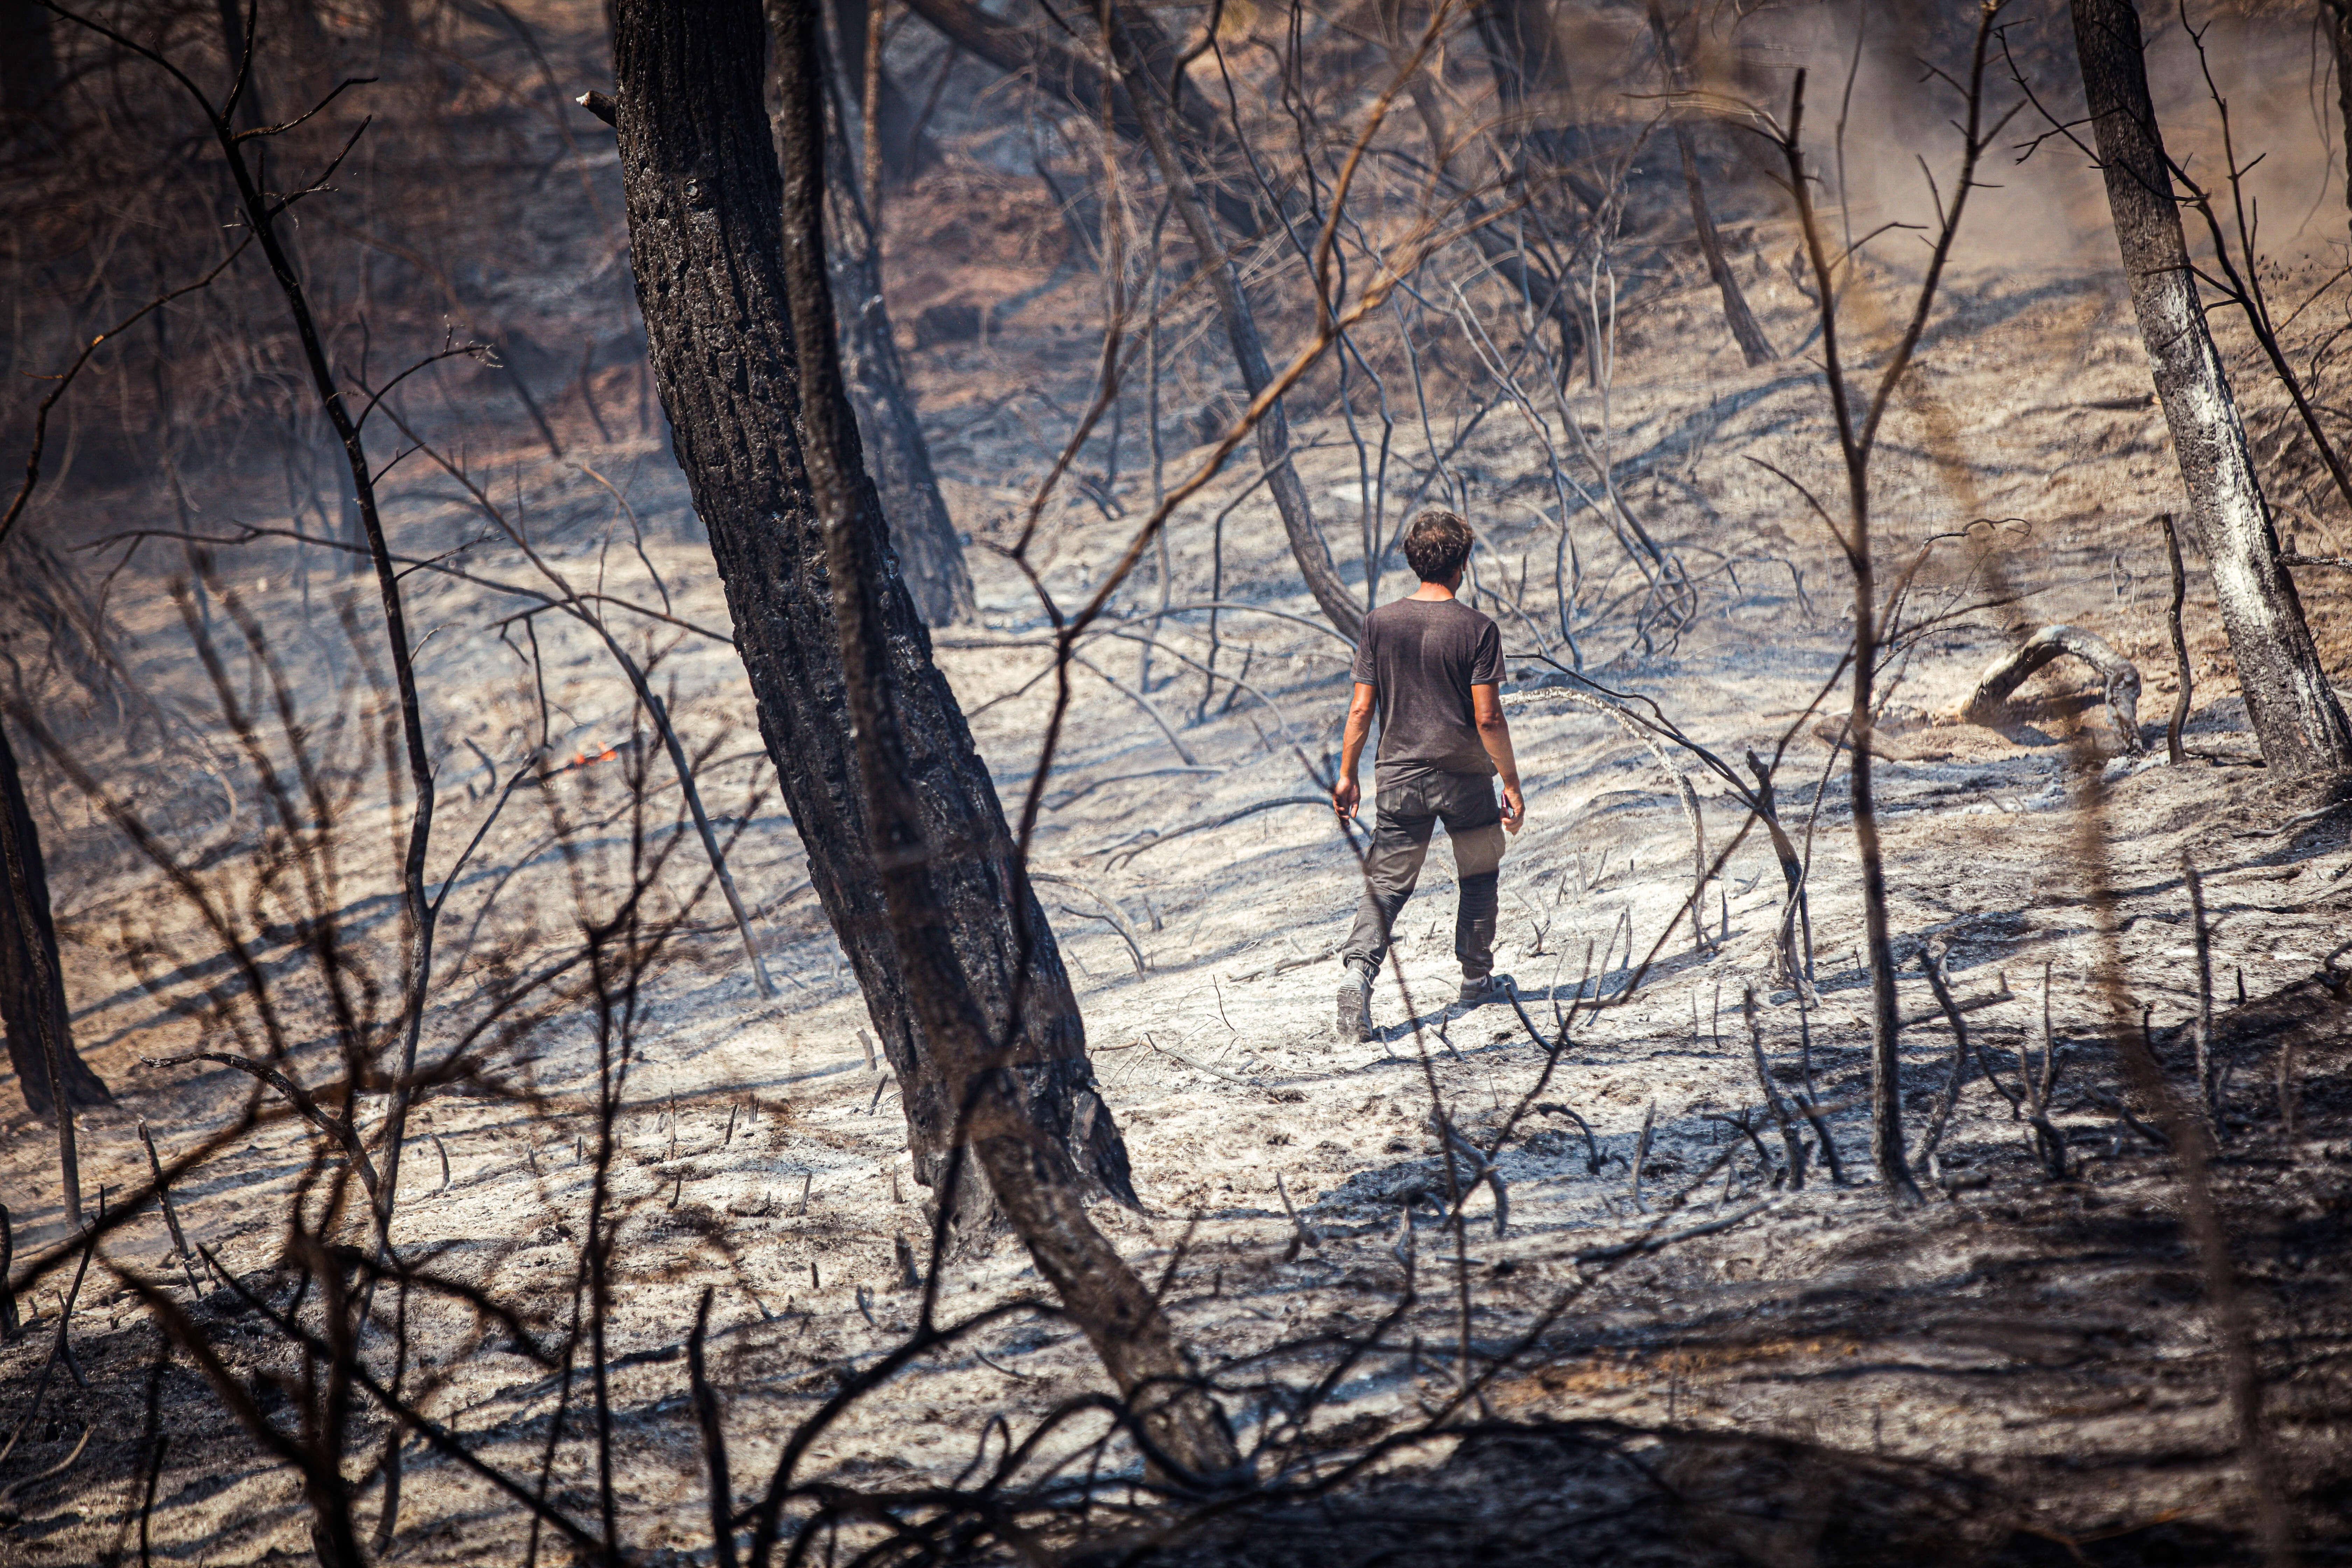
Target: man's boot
1486, 988
1356, 1006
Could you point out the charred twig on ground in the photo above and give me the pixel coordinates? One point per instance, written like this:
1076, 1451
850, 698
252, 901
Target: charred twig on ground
1818, 1120
1745, 1126
1646, 735
9, 1514
2181, 672
1481, 1170
1660, 1240
59, 1348
305, 1103
170, 1213
2202, 934
1642, 1154
2039, 1083
1789, 1138
1121, 856
1115, 916
1552, 1049
1934, 969
1593, 1156
1301, 1235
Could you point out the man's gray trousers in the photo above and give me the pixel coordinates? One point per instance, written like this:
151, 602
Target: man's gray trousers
1403, 816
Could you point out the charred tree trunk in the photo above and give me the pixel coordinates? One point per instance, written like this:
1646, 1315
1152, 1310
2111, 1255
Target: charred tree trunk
2295, 716
1523, 48
1542, 292
2335, 20
905, 151
1754, 346
930, 558
251, 108
1055, 70
1204, 142
1532, 79
704, 194
29, 67
1034, 1179
32, 983
1307, 545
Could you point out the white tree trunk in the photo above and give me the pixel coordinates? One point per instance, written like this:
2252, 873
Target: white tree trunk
2296, 718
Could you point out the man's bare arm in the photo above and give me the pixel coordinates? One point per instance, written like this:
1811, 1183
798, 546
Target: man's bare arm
1495, 735
1344, 793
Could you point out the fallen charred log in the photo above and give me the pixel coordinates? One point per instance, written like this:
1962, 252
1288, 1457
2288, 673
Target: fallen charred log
1989, 702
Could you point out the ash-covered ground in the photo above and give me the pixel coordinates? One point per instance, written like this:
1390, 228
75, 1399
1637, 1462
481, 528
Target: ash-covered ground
2023, 1370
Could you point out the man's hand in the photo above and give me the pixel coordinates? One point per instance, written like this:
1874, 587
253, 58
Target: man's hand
1358, 729
1495, 735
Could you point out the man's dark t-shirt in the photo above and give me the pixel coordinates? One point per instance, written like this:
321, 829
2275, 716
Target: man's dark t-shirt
1420, 658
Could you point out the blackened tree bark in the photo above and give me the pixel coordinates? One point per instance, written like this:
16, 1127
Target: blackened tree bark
1196, 144
28, 65
2335, 21
1523, 48
930, 558
1204, 141
2296, 718
1273, 431
904, 152
1021, 51
1542, 291
1754, 346
1033, 1177
32, 983
703, 194
252, 104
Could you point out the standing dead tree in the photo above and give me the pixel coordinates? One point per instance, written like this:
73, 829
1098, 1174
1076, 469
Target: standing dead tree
1061, 74
929, 557
704, 198
2296, 717
264, 211
1527, 54
1857, 433
240, 135
1538, 289
2336, 19
1148, 97
56, 1081
900, 150
1754, 346
1032, 1176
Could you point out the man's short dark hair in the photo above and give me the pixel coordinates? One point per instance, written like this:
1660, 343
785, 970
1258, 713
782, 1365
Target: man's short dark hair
1438, 544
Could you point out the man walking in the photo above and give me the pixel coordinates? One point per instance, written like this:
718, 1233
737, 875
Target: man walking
1429, 665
